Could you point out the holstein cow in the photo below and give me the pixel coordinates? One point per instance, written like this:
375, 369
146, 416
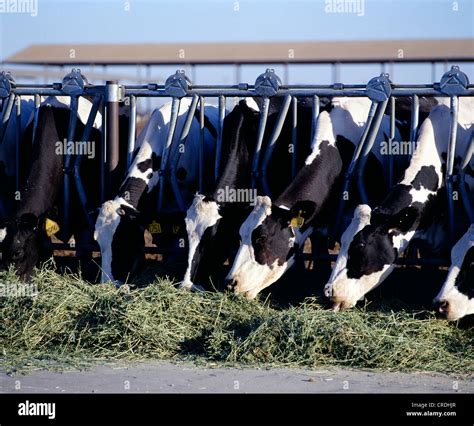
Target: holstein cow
119, 227
456, 297
412, 210
214, 218
275, 228
39, 209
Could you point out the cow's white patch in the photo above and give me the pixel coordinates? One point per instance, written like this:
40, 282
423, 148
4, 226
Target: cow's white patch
83, 108
345, 292
252, 104
324, 132
400, 241
3, 234
200, 216
347, 119
459, 304
105, 227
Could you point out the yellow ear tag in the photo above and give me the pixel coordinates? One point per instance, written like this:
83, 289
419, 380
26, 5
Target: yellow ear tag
154, 227
297, 221
51, 227
175, 229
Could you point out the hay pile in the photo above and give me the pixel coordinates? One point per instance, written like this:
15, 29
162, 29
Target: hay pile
72, 323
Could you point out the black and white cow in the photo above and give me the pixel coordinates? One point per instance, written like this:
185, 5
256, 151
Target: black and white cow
412, 210
119, 227
456, 297
40, 201
214, 218
275, 228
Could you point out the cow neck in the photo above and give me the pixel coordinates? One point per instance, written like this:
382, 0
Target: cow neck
314, 181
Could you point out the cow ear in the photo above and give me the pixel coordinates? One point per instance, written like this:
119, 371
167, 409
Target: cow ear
128, 211
404, 220
29, 221
301, 212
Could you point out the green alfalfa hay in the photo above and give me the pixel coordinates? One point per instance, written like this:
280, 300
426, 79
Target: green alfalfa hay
71, 322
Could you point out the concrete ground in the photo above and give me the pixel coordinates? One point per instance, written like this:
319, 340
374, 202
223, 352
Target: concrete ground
166, 377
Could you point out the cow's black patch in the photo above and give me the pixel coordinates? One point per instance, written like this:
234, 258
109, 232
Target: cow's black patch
132, 190
314, 181
207, 123
426, 178
144, 165
396, 200
465, 279
271, 239
125, 256
370, 250
181, 173
149, 175
155, 162
375, 187
346, 149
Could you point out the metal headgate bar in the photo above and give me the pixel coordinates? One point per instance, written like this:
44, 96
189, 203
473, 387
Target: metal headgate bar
67, 162
78, 160
271, 144
201, 142
17, 143
294, 134
178, 150
453, 84
261, 131
219, 137
7, 110
111, 133
462, 180
415, 115
36, 115
390, 140
132, 129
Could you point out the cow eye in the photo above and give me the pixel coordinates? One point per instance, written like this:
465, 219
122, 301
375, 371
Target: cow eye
360, 245
261, 238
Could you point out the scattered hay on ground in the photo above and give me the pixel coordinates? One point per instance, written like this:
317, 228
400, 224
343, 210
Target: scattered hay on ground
71, 323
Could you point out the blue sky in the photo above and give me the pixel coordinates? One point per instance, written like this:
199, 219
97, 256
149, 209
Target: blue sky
155, 21
161, 21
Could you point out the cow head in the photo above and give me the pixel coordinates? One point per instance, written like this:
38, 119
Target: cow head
456, 297
269, 239
201, 215
21, 244
120, 236
369, 248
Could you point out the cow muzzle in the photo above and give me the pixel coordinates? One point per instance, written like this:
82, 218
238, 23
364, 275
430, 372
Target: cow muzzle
234, 286
442, 309
340, 304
